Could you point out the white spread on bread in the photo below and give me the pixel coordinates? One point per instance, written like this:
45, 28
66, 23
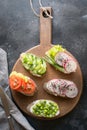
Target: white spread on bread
61, 87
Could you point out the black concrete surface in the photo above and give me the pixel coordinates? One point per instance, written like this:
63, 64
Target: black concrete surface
19, 31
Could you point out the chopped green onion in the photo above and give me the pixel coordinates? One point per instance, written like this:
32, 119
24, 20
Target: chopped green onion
45, 108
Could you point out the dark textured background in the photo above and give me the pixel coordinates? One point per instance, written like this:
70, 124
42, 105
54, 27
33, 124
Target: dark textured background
19, 31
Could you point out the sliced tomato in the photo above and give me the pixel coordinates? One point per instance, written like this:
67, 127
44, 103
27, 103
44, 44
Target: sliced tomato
30, 87
15, 82
23, 86
19, 84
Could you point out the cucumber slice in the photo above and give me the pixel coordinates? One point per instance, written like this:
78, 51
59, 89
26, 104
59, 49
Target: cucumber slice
33, 63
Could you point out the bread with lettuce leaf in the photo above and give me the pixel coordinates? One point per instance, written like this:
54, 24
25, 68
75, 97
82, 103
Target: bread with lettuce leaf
60, 59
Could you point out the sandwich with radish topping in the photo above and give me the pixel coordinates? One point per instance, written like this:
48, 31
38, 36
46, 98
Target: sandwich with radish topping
61, 60
61, 87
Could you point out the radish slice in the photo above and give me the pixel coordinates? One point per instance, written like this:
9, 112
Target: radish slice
71, 91
66, 62
61, 58
70, 66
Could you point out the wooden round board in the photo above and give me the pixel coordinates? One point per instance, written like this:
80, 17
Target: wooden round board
65, 105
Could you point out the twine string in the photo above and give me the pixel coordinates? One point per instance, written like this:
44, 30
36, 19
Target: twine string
44, 9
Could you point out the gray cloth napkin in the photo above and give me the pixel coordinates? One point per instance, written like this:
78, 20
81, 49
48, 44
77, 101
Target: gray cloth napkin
19, 121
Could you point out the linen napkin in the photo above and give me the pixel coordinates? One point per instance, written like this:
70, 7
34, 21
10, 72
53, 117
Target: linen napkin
19, 121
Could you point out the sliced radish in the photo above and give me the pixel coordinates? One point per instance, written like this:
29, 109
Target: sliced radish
71, 91
61, 87
66, 62
61, 58
70, 66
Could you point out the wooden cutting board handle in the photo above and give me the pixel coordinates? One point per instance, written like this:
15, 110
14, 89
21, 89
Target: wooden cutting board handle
45, 27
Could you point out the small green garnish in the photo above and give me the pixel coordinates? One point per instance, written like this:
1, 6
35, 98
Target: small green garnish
54, 50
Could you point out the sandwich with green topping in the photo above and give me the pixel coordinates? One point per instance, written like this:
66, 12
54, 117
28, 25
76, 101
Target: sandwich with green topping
60, 59
44, 108
33, 63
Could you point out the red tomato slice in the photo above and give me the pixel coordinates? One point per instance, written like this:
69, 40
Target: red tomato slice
15, 82
30, 87
23, 86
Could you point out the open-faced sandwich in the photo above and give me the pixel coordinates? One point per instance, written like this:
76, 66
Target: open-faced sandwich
22, 84
44, 108
61, 87
61, 60
33, 63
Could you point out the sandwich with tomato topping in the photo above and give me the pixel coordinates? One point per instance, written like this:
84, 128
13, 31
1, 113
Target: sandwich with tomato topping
21, 83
